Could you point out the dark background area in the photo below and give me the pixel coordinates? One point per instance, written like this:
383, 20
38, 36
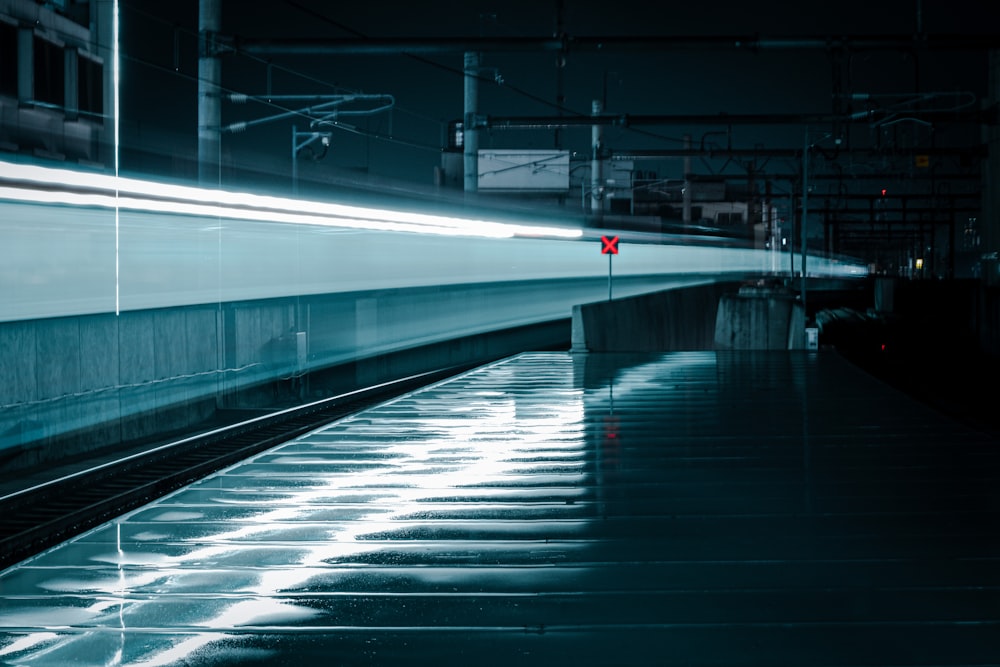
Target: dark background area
160, 72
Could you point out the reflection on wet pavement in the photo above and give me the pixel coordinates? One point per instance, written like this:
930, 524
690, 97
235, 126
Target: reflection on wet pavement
683, 508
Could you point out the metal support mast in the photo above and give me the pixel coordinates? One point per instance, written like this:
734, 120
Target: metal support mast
596, 176
471, 132
209, 102
991, 187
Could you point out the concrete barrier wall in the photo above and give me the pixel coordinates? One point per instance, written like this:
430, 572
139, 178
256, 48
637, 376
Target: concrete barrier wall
74, 385
677, 319
716, 316
759, 319
77, 384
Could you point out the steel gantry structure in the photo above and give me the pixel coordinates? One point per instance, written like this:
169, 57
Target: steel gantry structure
933, 185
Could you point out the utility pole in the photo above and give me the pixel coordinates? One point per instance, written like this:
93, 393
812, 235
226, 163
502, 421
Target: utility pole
990, 227
560, 66
471, 134
687, 184
209, 102
805, 217
596, 176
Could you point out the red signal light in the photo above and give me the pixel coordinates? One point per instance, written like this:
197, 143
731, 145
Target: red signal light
609, 245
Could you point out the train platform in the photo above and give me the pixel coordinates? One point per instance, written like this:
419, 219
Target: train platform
686, 508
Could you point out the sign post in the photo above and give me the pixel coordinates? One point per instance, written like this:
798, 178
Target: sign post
609, 247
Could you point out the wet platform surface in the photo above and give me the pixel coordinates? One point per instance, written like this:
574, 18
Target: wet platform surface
696, 508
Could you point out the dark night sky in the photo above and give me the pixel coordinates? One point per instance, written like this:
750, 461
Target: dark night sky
159, 42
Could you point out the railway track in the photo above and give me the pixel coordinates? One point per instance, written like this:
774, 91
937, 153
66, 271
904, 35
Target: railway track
37, 518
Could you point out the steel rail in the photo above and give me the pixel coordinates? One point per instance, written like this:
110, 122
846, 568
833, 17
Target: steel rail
41, 516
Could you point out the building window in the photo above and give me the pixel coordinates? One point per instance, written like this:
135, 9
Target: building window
8, 59
91, 89
49, 72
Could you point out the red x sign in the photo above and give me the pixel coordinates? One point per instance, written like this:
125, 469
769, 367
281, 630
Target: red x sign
609, 245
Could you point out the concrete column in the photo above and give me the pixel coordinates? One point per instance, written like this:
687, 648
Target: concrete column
596, 171
470, 133
209, 102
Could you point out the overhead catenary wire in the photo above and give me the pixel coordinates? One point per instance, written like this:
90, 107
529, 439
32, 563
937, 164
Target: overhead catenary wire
461, 73
232, 93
